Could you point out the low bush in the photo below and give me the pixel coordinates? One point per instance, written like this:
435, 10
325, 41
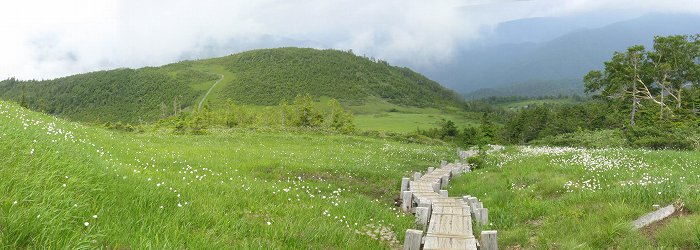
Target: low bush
587, 139
680, 138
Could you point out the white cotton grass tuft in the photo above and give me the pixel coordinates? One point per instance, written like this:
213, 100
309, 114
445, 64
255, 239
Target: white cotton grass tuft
87, 224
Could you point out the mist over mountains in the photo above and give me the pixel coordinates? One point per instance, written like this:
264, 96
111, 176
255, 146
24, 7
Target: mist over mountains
550, 56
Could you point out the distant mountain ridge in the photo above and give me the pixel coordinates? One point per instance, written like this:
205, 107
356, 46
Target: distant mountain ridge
559, 60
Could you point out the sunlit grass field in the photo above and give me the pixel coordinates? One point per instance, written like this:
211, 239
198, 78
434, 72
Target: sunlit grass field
524, 103
66, 185
567, 198
379, 115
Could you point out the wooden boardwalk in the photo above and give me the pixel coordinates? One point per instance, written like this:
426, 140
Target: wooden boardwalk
449, 220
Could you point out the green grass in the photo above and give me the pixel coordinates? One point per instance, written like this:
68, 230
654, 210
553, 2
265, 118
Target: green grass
521, 104
248, 189
565, 198
229, 189
404, 123
380, 115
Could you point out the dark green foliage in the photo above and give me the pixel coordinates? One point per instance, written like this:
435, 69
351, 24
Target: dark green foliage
590, 139
305, 114
660, 138
266, 77
124, 95
448, 129
340, 119
652, 83
470, 136
476, 161
541, 121
486, 133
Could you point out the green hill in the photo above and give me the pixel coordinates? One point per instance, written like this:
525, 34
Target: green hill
259, 77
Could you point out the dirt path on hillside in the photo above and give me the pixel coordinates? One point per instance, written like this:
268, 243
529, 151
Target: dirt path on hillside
221, 77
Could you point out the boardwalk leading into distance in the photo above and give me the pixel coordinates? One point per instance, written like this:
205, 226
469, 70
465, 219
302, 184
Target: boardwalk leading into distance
449, 222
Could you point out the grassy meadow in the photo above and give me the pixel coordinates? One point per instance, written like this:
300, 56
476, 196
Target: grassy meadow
379, 115
67, 185
516, 105
570, 198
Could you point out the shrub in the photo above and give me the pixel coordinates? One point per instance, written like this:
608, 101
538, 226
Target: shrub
476, 161
660, 138
588, 139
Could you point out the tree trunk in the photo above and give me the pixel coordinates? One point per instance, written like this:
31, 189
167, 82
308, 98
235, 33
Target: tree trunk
282, 116
633, 114
661, 111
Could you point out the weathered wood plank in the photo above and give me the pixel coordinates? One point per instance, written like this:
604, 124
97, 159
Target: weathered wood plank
489, 240
413, 239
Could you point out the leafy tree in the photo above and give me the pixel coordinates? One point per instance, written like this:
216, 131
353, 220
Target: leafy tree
306, 114
230, 114
340, 119
470, 136
448, 129
661, 77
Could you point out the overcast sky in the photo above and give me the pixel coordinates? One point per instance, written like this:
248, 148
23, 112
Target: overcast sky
47, 39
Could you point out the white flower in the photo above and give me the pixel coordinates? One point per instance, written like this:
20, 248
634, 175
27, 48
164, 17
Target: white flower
94, 216
14, 203
179, 205
269, 223
86, 223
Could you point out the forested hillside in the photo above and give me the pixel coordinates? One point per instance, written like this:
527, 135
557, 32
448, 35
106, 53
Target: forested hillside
107, 96
259, 77
266, 77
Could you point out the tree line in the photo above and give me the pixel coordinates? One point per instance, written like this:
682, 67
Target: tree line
302, 112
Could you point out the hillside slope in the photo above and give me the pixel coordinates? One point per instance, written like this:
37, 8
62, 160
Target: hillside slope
259, 77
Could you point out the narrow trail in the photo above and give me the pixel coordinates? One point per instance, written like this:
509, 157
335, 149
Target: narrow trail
221, 77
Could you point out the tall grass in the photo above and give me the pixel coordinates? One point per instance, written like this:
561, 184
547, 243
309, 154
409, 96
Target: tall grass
66, 185
571, 198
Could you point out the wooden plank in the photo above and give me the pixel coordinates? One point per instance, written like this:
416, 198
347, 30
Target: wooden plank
407, 198
489, 240
413, 239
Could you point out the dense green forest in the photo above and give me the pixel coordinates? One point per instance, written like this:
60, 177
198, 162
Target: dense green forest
266, 77
126, 95
260, 77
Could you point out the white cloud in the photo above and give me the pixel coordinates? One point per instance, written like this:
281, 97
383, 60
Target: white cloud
45, 39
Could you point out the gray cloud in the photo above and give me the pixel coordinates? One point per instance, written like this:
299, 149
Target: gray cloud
46, 39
